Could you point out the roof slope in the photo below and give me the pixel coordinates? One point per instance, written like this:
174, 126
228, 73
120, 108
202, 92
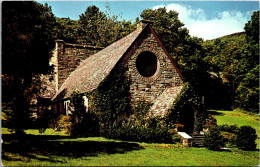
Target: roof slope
89, 74
165, 101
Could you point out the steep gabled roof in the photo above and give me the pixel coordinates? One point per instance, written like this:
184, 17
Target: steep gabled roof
89, 74
93, 70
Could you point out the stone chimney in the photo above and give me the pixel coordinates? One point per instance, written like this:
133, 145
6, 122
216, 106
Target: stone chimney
142, 23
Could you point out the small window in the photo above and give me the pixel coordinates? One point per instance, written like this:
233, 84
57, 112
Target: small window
146, 64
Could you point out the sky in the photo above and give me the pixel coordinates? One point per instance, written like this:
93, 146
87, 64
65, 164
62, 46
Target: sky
204, 19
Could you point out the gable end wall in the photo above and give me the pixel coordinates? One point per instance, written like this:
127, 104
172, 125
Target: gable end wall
165, 76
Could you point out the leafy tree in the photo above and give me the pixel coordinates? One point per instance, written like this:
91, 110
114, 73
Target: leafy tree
101, 29
27, 38
167, 26
233, 58
252, 27
248, 91
67, 30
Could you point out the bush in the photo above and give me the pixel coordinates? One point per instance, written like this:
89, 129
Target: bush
229, 128
213, 139
62, 123
154, 131
246, 137
230, 138
176, 138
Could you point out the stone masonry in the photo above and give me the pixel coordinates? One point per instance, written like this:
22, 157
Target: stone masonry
150, 88
65, 58
69, 57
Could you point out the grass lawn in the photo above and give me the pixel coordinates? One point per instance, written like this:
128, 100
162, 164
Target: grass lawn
57, 149
236, 117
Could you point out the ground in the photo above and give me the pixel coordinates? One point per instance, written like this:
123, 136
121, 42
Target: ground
56, 148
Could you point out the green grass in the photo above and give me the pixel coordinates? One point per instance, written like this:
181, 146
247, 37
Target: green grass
58, 149
236, 117
239, 118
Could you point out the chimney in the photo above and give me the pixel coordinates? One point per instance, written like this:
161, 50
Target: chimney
142, 23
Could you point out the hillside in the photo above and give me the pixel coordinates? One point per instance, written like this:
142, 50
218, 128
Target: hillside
234, 59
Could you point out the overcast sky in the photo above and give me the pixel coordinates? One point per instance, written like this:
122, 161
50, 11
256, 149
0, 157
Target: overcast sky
204, 19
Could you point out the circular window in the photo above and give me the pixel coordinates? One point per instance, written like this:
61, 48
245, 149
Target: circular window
146, 64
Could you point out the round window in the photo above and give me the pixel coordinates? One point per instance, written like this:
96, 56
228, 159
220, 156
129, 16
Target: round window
146, 64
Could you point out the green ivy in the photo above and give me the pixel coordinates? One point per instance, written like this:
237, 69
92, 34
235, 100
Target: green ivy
111, 99
183, 108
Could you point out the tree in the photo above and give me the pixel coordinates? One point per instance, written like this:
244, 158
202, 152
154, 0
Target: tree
27, 38
247, 92
101, 29
67, 30
167, 26
252, 27
233, 58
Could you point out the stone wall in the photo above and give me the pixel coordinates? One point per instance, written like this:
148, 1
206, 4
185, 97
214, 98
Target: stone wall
70, 56
65, 58
166, 75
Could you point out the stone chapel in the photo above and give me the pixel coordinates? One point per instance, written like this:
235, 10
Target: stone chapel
153, 74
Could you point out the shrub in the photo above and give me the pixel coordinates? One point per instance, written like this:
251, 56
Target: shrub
213, 139
154, 131
230, 138
176, 138
229, 128
246, 137
62, 123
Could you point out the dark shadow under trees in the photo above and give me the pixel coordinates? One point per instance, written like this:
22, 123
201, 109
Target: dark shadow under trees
50, 147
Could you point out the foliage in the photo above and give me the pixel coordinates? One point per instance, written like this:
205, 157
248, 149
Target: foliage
167, 26
200, 121
67, 30
63, 123
213, 140
246, 137
183, 109
229, 138
229, 128
18, 102
100, 29
252, 27
27, 38
140, 111
155, 131
248, 91
83, 122
111, 100
233, 59
43, 115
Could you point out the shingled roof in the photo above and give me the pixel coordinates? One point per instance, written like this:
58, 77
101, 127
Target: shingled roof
94, 69
165, 101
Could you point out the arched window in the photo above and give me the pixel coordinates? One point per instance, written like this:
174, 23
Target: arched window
146, 64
